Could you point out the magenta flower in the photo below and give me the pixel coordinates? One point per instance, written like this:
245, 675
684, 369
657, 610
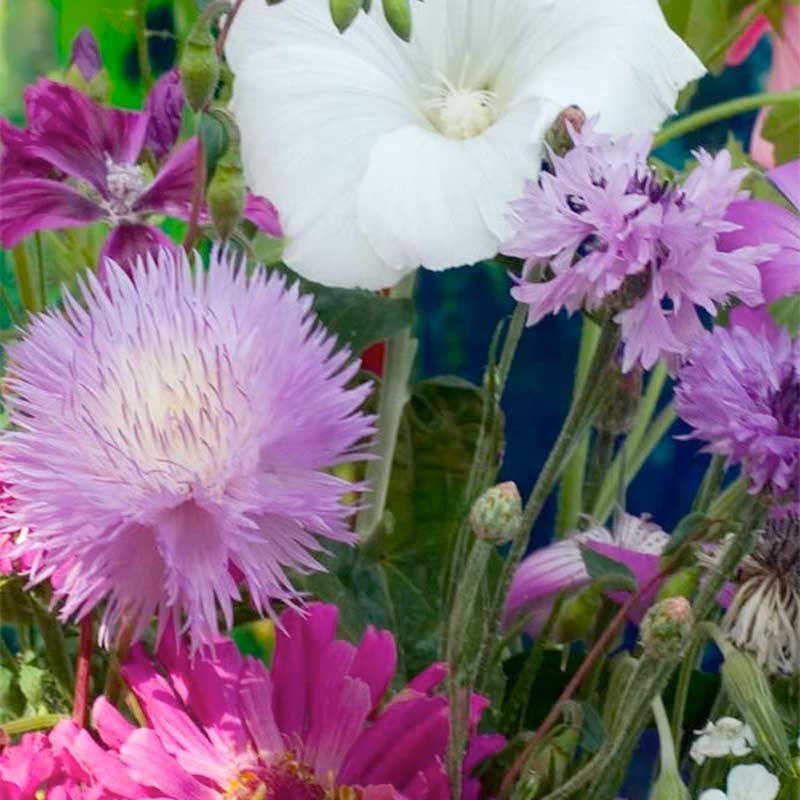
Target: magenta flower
545, 573
602, 231
740, 391
762, 222
76, 164
313, 727
56, 767
173, 431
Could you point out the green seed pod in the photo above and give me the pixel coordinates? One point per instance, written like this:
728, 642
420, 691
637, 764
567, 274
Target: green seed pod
398, 15
226, 192
496, 515
343, 12
199, 67
667, 629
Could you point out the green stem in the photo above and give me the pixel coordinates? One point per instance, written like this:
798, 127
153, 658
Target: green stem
682, 691
602, 456
22, 271
394, 393
145, 68
721, 111
709, 488
667, 746
570, 498
40, 722
584, 407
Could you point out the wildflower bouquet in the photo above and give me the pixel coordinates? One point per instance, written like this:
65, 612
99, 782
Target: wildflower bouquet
245, 555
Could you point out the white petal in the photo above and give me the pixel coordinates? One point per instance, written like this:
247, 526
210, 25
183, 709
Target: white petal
713, 794
310, 111
618, 58
437, 202
748, 781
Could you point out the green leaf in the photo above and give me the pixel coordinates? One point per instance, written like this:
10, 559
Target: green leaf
601, 567
755, 182
687, 529
786, 312
782, 128
593, 732
396, 581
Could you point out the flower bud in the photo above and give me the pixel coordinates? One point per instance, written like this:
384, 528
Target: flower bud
667, 628
559, 137
496, 515
398, 15
199, 66
578, 614
669, 786
85, 55
749, 690
343, 12
227, 192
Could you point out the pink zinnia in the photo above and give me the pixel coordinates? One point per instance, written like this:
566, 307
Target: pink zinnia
315, 726
172, 439
740, 391
602, 231
545, 573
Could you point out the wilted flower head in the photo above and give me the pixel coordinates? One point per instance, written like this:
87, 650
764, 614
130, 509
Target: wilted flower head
417, 147
634, 541
740, 392
764, 615
315, 726
602, 230
173, 438
725, 737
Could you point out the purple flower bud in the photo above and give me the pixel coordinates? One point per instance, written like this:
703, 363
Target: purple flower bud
86, 54
165, 106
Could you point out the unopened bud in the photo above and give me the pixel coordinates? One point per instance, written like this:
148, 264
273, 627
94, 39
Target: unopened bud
343, 12
398, 15
85, 54
623, 395
669, 786
578, 615
496, 515
227, 192
682, 584
569, 121
749, 690
199, 66
667, 628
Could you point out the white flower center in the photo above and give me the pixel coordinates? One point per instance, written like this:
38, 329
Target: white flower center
465, 114
126, 183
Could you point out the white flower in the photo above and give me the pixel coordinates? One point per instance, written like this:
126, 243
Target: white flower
726, 737
747, 782
383, 155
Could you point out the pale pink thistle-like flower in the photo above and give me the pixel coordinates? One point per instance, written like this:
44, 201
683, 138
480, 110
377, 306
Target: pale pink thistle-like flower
546, 572
602, 231
313, 727
740, 392
171, 438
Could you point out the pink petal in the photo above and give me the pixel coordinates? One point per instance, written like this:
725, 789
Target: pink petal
787, 179
262, 213
165, 107
112, 727
171, 191
375, 662
35, 204
256, 705
746, 43
429, 679
15, 159
129, 242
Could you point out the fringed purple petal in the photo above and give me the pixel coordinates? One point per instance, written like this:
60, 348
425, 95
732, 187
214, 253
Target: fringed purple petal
129, 242
165, 107
36, 204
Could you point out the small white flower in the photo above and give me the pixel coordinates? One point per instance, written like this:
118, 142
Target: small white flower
726, 737
747, 782
383, 155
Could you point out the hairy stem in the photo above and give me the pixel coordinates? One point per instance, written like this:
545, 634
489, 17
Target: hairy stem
143, 56
83, 672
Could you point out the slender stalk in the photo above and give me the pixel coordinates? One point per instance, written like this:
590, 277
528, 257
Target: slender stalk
401, 350
83, 672
682, 691
709, 488
198, 191
602, 456
584, 407
225, 30
721, 111
22, 272
570, 498
40, 722
725, 43
667, 746
145, 68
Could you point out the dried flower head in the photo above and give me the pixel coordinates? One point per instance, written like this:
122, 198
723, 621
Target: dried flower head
172, 439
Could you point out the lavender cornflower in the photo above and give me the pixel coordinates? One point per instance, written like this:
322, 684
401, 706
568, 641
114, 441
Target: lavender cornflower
602, 231
740, 391
172, 440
